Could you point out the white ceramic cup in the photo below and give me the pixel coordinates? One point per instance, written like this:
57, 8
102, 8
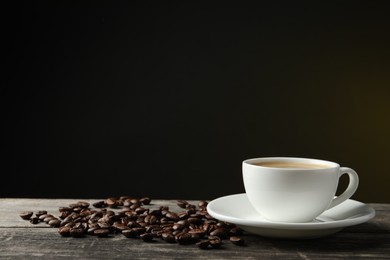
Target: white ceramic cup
295, 194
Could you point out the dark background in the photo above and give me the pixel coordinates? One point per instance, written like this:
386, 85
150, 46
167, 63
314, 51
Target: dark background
166, 99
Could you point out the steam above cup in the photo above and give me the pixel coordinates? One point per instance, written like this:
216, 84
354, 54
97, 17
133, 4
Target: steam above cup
285, 189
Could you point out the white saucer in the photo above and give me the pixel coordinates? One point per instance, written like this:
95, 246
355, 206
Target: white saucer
237, 210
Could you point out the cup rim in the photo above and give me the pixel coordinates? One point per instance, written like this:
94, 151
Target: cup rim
250, 162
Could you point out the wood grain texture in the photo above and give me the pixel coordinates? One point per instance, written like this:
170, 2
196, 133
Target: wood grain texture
20, 240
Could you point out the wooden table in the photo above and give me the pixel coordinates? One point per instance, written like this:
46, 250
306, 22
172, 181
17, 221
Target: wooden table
21, 240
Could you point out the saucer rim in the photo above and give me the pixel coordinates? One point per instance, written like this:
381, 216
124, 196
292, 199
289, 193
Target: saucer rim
263, 223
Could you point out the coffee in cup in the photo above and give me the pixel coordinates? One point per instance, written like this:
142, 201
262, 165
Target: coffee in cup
286, 189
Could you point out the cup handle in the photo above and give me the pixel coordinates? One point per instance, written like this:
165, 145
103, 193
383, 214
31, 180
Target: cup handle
352, 186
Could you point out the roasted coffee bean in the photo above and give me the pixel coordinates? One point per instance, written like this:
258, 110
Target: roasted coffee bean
70, 224
191, 211
215, 243
195, 215
140, 219
172, 216
77, 232
175, 232
73, 205
117, 217
204, 244
191, 206
64, 231
139, 230
124, 209
112, 202
26, 215
85, 213
93, 219
74, 215
202, 204
195, 237
151, 219
166, 221
198, 232
135, 201
119, 202
68, 219
140, 210
183, 238
168, 237
222, 225
105, 225
192, 226
220, 232
196, 221
77, 209
202, 212
167, 229
182, 204
83, 204
41, 212
230, 225
183, 215
97, 214
134, 206
91, 225
164, 212
91, 230
64, 214
105, 220
156, 230
177, 226
164, 225
131, 214
156, 212
99, 204
236, 231
78, 219
54, 222
237, 240
34, 220
148, 229
208, 216
125, 220
48, 218
123, 198
210, 221
79, 225
109, 213
43, 216
145, 200
142, 224
147, 237
127, 203
166, 208
211, 228
183, 222
120, 226
130, 233
133, 224
62, 209
101, 232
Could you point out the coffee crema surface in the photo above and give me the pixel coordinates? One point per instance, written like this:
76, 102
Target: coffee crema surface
291, 165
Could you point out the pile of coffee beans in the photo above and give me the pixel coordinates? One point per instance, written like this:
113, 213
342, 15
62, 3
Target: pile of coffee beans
133, 218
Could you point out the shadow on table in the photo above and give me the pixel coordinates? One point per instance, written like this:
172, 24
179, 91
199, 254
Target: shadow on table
370, 238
